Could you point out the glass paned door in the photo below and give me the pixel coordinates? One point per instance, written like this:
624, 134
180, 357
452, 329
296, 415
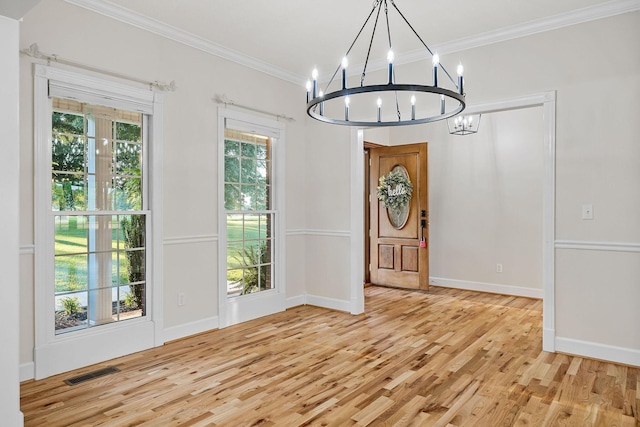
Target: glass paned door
98, 217
250, 219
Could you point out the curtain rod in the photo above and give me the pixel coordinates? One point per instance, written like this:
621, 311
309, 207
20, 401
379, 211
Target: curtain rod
222, 99
34, 52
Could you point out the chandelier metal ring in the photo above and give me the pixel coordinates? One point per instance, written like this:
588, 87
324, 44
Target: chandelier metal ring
313, 104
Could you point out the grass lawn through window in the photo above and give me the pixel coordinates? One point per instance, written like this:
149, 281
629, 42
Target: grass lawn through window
71, 262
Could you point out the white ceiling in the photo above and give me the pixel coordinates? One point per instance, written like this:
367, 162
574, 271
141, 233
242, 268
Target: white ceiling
287, 38
16, 9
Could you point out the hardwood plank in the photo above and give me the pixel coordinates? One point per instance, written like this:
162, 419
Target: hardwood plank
444, 357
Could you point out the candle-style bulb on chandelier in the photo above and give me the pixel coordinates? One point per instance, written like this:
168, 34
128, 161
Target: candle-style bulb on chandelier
388, 101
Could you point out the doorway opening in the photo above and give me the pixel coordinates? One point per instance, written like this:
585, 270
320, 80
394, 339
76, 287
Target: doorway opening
547, 101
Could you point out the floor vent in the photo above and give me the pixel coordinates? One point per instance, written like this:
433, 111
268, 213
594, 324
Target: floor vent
91, 375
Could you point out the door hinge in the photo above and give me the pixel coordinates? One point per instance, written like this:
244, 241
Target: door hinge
369, 161
369, 267
369, 198
369, 232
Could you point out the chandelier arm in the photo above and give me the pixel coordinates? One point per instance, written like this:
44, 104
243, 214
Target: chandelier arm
423, 43
386, 12
373, 9
373, 33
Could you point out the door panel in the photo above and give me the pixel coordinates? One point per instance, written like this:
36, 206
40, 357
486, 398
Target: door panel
397, 258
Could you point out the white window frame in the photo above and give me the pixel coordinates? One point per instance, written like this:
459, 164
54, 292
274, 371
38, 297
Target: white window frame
242, 308
63, 352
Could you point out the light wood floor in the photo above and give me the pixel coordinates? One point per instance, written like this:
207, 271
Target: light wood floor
442, 358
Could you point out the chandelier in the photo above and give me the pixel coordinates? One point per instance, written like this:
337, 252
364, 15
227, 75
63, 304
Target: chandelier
387, 102
464, 125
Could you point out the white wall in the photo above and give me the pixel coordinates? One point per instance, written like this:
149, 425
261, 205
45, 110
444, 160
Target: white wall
9, 96
328, 183
485, 202
190, 138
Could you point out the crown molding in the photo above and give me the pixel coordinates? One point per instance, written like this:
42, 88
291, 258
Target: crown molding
591, 13
578, 16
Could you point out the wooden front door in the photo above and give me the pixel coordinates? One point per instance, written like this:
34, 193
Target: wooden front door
397, 256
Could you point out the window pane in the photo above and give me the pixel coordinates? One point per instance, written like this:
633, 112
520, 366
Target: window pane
248, 197
248, 150
67, 153
101, 304
128, 131
234, 281
129, 302
234, 255
133, 297
249, 173
132, 260
261, 197
67, 123
266, 258
67, 193
265, 226
253, 253
128, 193
117, 270
265, 277
128, 158
232, 200
71, 273
134, 270
251, 227
70, 235
261, 151
70, 312
231, 169
261, 171
231, 148
68, 164
126, 308
234, 228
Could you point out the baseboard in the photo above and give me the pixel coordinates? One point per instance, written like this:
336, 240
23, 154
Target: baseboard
626, 356
549, 340
296, 301
192, 328
27, 371
516, 291
330, 303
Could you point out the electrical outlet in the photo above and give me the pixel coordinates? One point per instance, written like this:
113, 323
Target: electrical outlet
587, 211
180, 298
498, 268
